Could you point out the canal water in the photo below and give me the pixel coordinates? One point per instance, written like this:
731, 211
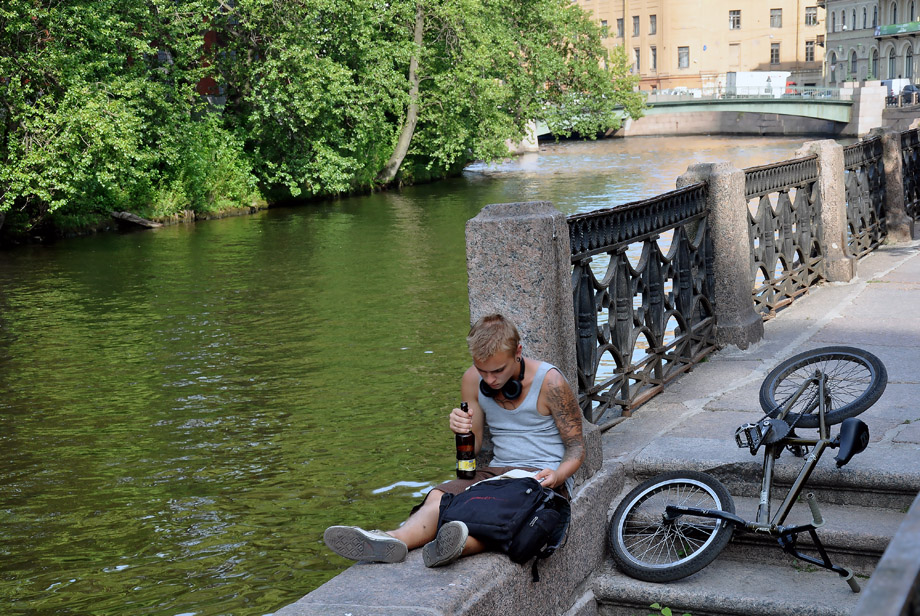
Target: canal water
183, 411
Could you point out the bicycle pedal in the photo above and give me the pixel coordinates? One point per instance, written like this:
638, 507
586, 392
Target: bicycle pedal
749, 435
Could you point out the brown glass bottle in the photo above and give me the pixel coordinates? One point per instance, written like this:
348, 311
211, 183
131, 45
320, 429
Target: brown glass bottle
466, 454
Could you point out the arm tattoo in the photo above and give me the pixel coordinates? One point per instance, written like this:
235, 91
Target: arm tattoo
564, 408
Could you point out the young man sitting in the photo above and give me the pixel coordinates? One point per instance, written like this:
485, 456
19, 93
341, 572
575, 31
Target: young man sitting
535, 422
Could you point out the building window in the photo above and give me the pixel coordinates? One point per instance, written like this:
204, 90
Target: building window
683, 57
892, 65
653, 59
843, 20
865, 18
854, 19
894, 13
874, 66
833, 22
776, 18
912, 15
636, 51
874, 16
734, 20
636, 25
620, 27
652, 24
811, 16
853, 64
909, 64
809, 51
774, 53
833, 67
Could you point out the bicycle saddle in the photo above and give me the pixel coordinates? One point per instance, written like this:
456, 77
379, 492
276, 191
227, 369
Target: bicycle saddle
853, 439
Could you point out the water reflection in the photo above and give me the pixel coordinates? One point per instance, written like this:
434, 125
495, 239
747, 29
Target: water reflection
182, 412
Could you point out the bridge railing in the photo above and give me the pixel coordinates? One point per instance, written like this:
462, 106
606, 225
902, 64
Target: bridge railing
903, 100
784, 217
716, 93
642, 287
865, 196
910, 165
649, 278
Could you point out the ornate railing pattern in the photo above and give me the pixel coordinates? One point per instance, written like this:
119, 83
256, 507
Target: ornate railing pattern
784, 231
648, 317
864, 178
910, 171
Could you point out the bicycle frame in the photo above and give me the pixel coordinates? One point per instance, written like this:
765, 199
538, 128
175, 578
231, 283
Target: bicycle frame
786, 536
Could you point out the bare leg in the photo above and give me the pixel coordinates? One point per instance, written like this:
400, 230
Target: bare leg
422, 526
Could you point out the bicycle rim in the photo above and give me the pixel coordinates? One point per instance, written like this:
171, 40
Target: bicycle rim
855, 380
649, 542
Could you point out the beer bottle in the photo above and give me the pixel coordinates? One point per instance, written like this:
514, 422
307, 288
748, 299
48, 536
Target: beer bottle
466, 454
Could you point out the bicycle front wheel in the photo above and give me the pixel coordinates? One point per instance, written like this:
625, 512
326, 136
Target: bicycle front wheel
855, 381
648, 548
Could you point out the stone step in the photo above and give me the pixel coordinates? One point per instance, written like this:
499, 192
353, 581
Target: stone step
881, 477
729, 587
854, 537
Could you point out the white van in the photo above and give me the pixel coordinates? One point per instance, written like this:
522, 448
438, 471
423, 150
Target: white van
895, 85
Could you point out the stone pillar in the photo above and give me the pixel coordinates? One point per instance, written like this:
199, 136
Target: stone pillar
866, 112
840, 266
900, 225
518, 260
736, 321
519, 264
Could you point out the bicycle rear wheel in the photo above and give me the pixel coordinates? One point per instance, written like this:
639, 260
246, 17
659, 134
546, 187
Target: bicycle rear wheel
855, 380
648, 548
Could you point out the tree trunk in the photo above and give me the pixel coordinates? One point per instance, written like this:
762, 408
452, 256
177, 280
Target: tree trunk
405, 136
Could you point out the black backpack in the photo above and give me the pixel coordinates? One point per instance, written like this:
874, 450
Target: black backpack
517, 516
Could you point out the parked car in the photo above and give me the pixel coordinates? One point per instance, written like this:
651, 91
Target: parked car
910, 89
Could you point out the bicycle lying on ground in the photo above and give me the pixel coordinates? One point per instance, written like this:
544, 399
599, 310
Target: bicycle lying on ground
675, 524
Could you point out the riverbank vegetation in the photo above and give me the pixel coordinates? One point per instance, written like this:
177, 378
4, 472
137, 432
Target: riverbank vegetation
155, 107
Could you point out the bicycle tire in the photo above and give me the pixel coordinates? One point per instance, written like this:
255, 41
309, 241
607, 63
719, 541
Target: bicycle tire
647, 548
856, 380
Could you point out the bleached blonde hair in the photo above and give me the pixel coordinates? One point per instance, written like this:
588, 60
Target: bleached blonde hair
491, 334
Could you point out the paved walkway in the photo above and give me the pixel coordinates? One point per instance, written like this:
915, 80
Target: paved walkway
878, 311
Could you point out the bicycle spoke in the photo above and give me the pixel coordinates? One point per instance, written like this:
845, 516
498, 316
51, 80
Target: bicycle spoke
650, 540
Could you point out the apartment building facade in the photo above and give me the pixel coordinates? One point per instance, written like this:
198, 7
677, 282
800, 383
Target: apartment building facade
872, 40
695, 43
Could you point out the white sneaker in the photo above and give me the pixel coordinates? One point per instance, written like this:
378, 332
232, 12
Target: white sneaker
373, 546
447, 546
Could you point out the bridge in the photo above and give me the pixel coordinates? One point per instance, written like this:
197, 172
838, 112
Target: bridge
831, 108
824, 107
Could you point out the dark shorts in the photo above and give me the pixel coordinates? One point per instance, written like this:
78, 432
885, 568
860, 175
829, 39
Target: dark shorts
456, 486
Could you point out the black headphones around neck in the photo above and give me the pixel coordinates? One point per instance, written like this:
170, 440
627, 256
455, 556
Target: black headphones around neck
510, 390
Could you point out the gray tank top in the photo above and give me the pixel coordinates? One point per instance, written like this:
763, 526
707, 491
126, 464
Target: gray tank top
523, 437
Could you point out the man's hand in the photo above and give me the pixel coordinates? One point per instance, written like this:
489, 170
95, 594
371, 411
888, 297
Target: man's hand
461, 422
548, 478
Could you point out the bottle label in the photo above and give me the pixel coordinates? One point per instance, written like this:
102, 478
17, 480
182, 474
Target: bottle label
466, 465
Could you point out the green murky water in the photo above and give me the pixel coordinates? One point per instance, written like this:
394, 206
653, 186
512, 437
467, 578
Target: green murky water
182, 412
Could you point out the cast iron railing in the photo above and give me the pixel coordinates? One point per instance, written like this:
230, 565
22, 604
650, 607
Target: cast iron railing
642, 280
864, 178
784, 216
910, 171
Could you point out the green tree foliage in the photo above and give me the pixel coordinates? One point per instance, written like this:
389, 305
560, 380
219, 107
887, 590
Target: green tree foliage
100, 109
100, 113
